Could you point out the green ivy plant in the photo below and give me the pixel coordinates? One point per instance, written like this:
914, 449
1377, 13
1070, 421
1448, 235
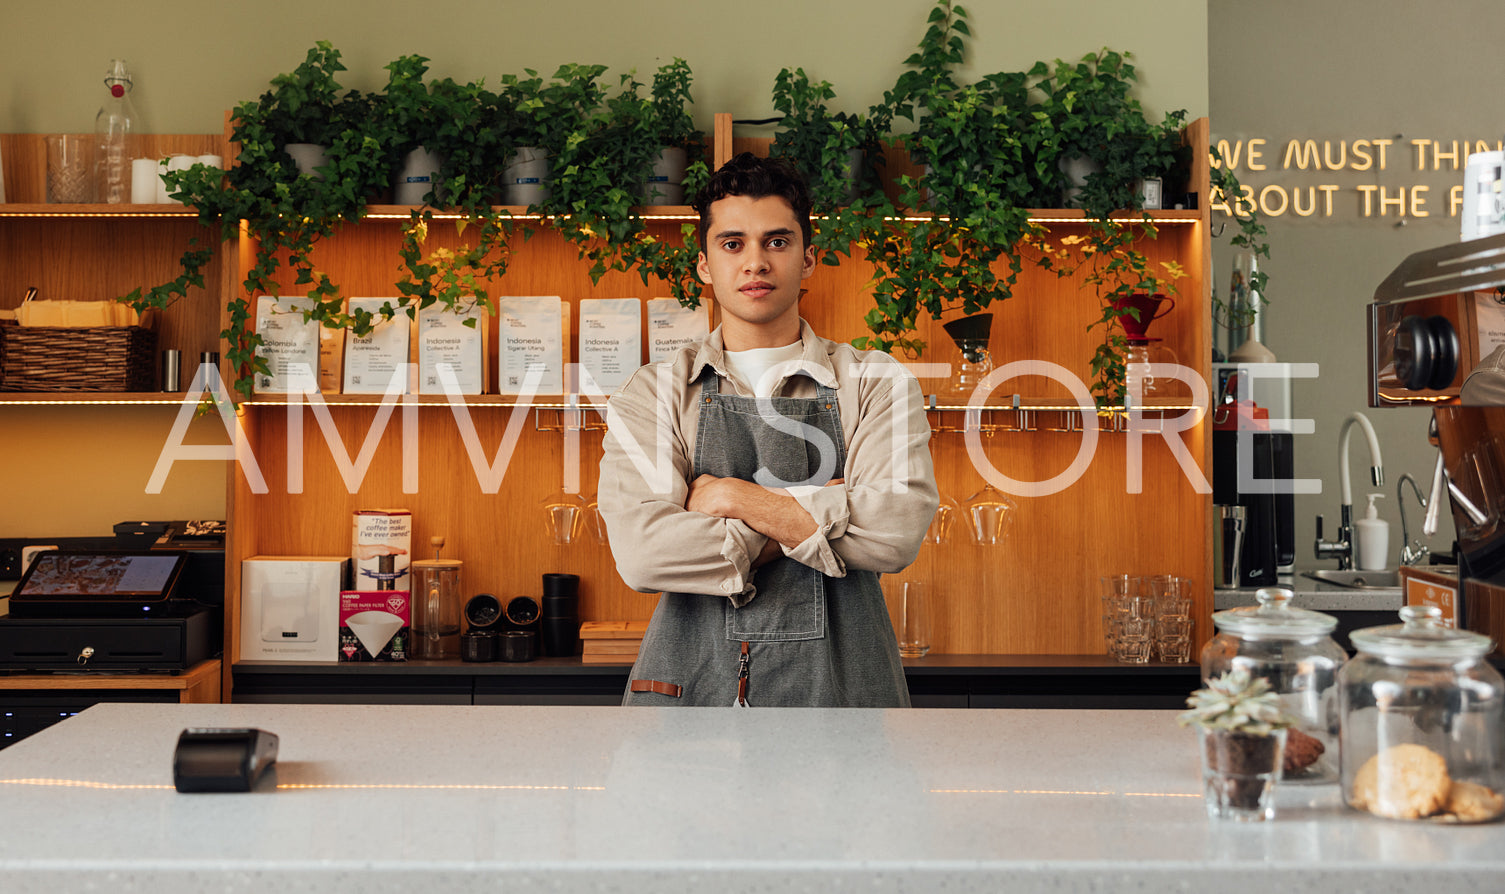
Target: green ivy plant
1087, 109
1251, 237
976, 185
475, 130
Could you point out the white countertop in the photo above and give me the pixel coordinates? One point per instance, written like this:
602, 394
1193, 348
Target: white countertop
445, 800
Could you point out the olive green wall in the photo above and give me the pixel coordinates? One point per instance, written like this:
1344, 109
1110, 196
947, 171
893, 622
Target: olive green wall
192, 60
1350, 69
75, 472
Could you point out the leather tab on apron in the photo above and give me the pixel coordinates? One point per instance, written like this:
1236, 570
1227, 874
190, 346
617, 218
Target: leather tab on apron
670, 689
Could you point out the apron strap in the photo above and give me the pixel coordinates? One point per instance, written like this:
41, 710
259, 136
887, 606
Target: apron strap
742, 661
672, 690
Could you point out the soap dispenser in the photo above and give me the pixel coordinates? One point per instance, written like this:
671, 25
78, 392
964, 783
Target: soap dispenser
1372, 539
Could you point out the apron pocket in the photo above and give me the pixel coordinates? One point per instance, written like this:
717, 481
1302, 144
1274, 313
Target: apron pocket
790, 605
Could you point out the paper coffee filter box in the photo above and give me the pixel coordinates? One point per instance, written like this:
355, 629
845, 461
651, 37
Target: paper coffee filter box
381, 546
375, 625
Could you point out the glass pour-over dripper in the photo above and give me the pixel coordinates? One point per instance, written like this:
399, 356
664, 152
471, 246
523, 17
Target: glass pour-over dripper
971, 335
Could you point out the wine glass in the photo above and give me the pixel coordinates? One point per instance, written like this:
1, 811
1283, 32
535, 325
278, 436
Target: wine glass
564, 515
939, 532
990, 514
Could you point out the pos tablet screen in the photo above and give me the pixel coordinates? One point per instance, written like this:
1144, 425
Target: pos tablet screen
69, 582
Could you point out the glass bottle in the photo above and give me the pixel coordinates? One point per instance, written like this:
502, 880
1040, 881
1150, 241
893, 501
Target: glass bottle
114, 127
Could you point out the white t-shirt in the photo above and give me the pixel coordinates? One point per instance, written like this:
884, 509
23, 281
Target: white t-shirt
752, 368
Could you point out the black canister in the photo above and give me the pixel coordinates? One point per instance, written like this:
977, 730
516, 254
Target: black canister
560, 622
477, 646
483, 613
518, 645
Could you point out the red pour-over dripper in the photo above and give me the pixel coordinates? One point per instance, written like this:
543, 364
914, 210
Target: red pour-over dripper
1148, 308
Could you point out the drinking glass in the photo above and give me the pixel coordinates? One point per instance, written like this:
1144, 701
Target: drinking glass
1136, 629
69, 164
914, 621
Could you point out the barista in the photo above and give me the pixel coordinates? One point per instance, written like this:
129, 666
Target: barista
763, 478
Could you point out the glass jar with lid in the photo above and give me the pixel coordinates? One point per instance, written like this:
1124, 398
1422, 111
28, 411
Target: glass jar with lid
1422, 714
1293, 648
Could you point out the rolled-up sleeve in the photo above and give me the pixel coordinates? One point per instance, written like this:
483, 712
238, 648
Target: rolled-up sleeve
645, 467
876, 519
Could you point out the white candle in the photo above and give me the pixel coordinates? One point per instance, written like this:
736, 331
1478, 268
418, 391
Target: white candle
143, 181
176, 163
162, 198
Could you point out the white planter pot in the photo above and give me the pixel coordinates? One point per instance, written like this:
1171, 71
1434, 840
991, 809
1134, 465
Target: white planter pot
525, 178
666, 182
1077, 169
417, 177
853, 173
308, 157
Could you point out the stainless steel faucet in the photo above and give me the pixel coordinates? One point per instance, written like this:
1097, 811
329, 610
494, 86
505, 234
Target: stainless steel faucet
1411, 552
1342, 548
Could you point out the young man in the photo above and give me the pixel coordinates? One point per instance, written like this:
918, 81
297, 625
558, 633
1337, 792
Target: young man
764, 478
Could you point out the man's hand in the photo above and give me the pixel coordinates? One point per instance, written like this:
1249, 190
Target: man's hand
713, 496
769, 511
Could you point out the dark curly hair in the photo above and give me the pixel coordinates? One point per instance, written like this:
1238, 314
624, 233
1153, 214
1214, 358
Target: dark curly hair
755, 177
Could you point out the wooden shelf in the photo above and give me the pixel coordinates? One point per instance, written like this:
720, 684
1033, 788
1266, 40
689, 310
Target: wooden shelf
32, 209
91, 398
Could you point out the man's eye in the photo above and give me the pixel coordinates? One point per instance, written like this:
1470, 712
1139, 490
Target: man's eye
778, 243
731, 245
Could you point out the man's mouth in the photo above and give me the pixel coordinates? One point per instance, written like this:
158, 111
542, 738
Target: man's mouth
756, 289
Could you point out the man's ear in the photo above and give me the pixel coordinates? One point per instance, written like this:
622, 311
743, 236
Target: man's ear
703, 269
809, 266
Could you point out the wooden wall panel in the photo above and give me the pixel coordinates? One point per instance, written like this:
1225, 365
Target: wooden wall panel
1037, 593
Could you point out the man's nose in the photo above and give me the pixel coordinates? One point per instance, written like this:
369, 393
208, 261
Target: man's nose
755, 261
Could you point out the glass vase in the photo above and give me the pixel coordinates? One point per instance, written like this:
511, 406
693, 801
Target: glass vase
1240, 772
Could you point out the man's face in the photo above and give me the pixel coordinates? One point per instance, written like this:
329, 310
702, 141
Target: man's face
755, 261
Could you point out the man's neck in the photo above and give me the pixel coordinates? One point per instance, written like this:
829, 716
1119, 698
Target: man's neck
739, 336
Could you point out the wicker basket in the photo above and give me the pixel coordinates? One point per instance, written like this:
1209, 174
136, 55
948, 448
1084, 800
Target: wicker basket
56, 358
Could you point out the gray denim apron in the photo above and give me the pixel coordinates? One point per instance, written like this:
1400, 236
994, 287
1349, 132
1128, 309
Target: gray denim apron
804, 639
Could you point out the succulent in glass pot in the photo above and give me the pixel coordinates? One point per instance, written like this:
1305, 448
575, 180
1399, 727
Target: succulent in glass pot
1241, 728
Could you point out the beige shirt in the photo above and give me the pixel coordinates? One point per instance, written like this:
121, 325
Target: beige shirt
874, 521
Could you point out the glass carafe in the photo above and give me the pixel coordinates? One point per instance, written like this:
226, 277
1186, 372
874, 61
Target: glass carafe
436, 608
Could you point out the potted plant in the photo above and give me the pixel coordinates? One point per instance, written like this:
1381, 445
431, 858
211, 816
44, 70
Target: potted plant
414, 117
668, 125
303, 112
548, 116
838, 152
976, 182
1098, 130
1241, 730
285, 212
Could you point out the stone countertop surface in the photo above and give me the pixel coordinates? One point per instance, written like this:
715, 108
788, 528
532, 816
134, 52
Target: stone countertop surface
383, 799
1317, 596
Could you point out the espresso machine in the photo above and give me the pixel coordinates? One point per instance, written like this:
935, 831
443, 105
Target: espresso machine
1434, 345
